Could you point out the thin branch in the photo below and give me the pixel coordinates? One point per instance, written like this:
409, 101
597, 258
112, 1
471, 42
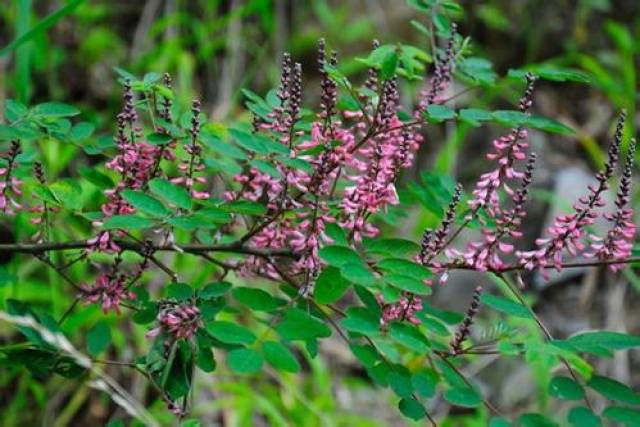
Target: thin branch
38, 248
544, 330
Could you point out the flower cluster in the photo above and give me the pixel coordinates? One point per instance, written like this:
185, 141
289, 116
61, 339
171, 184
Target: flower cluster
442, 75
110, 290
487, 254
9, 184
434, 242
618, 242
194, 164
135, 161
568, 230
181, 321
507, 150
464, 329
403, 309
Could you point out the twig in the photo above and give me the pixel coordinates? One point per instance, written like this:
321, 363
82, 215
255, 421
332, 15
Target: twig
543, 328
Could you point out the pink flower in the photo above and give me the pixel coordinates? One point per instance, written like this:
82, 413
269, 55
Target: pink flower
508, 150
10, 186
109, 291
568, 230
179, 320
404, 309
618, 243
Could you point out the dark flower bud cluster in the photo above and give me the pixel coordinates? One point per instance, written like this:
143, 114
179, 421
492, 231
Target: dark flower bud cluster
372, 74
464, 329
442, 75
167, 104
329, 88
193, 165
433, 242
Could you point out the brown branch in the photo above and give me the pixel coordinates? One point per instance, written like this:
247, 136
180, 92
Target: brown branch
520, 267
39, 248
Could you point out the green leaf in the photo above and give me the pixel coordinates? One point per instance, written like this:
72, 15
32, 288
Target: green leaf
205, 359
549, 125
81, 131
411, 408
409, 336
535, 420
244, 361
392, 247
222, 147
479, 70
499, 422
68, 192
614, 390
191, 222
299, 325
55, 110
558, 74
506, 306
213, 290
389, 65
131, 222
244, 207
248, 141
565, 388
145, 203
405, 267
401, 384
157, 138
96, 178
179, 291
230, 333
437, 113
266, 167
256, 299
474, 116
596, 342
330, 286
98, 338
425, 382
628, 416
510, 118
339, 255
169, 192
583, 417
215, 215
280, 357
463, 396
358, 273
407, 283
361, 321
366, 354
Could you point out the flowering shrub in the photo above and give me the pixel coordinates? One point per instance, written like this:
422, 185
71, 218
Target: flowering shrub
289, 212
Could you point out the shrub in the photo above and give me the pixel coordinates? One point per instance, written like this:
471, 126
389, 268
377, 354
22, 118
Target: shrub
290, 211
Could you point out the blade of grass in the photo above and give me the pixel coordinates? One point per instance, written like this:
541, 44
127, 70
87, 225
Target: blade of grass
24, 53
41, 26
